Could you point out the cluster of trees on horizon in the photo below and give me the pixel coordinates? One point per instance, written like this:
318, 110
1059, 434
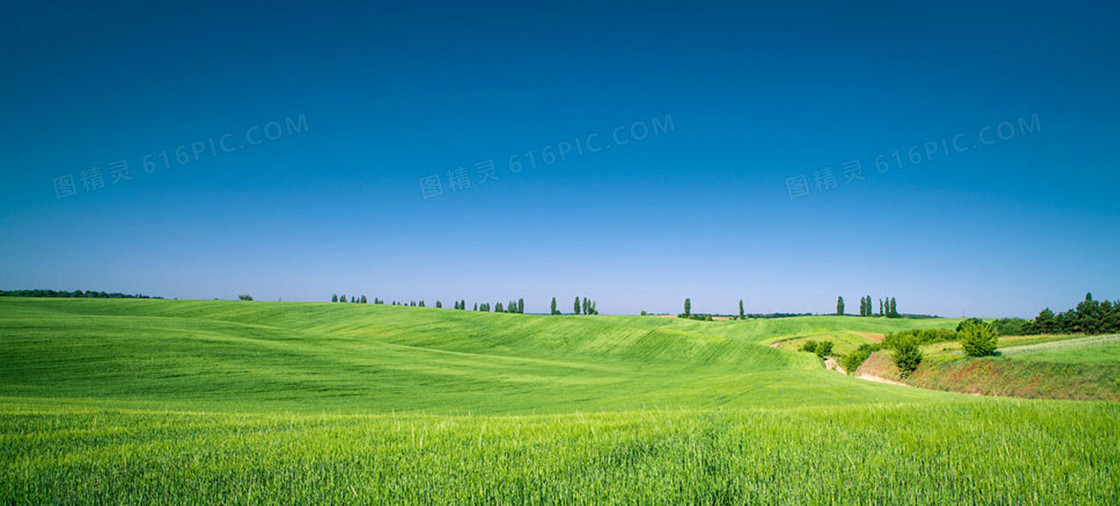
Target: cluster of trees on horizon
1089, 317
582, 306
888, 307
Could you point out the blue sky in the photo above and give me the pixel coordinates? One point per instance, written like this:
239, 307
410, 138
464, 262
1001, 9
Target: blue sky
1022, 217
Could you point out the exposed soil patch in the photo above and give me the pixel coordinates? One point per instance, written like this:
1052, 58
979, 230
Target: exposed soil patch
870, 336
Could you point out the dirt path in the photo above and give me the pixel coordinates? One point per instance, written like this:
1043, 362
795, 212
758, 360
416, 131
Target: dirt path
832, 365
879, 379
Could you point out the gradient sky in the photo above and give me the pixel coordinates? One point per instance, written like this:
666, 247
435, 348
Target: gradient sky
395, 92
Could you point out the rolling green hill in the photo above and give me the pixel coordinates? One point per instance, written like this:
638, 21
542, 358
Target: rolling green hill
140, 401
371, 359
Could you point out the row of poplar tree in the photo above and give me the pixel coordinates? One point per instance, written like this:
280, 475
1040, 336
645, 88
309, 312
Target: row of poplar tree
581, 306
888, 307
512, 307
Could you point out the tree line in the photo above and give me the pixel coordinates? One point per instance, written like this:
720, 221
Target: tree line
76, 294
1088, 317
512, 306
580, 306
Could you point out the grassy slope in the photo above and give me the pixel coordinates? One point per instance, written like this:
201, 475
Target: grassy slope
169, 401
1082, 350
1037, 367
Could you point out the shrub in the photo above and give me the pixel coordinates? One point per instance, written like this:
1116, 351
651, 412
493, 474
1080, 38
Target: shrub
824, 349
1012, 326
978, 339
245, 297
907, 357
920, 336
809, 346
970, 321
853, 360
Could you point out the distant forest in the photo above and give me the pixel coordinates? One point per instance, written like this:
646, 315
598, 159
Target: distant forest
76, 294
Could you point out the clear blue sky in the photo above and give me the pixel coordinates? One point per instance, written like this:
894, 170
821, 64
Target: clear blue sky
391, 93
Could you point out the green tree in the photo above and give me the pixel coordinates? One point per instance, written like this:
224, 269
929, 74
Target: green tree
439, 305
1044, 322
840, 306
342, 298
498, 308
245, 297
364, 301
809, 346
554, 310
576, 306
978, 338
334, 298
520, 306
824, 349
907, 357
893, 308
742, 310
881, 313
1088, 316
687, 307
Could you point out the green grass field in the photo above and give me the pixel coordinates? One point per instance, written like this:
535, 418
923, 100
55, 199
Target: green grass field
141, 401
1085, 350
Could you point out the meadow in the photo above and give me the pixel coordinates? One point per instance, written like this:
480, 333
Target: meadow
141, 401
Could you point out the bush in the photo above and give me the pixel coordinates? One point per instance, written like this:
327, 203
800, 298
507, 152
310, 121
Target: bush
970, 321
809, 346
1012, 326
907, 357
245, 297
920, 336
978, 339
824, 349
853, 360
